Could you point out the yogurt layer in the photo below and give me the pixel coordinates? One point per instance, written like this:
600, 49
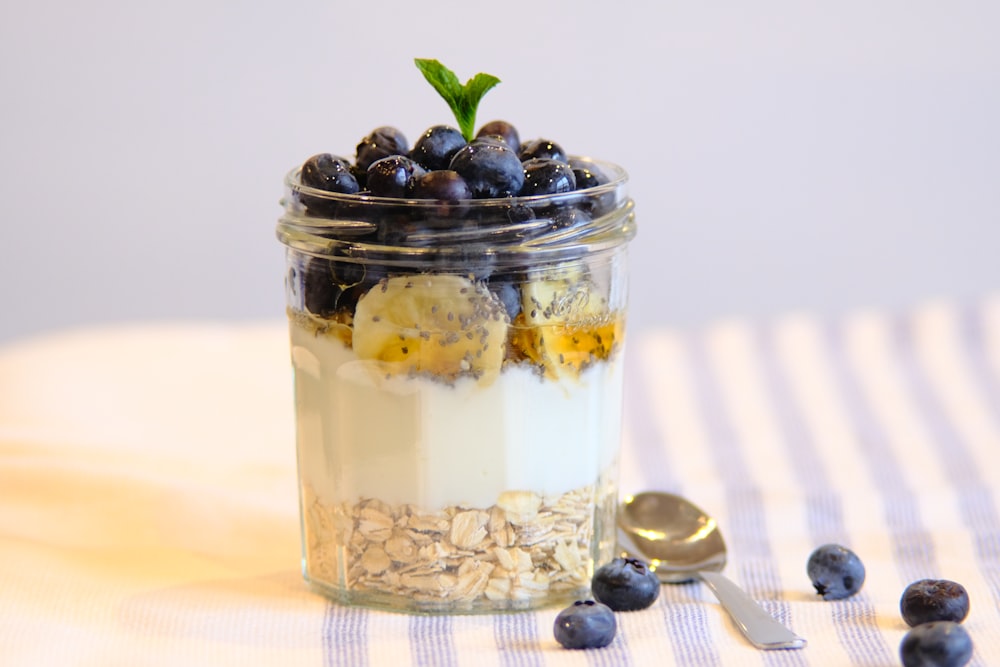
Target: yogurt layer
365, 433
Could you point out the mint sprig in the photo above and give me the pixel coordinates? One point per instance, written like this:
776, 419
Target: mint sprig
463, 100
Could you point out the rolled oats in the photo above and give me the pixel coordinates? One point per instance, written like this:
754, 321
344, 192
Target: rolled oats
523, 548
400, 547
521, 507
374, 560
469, 528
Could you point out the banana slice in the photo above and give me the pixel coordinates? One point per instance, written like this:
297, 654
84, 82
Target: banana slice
566, 323
443, 325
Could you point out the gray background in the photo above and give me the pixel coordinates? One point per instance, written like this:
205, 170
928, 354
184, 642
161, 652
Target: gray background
784, 155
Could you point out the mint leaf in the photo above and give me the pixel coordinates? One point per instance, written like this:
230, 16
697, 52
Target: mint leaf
443, 80
463, 100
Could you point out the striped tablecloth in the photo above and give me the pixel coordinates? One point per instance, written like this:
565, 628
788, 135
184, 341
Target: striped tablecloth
148, 516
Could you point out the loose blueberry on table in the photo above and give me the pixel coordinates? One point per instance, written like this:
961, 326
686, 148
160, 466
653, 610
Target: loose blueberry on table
836, 572
929, 600
585, 624
625, 584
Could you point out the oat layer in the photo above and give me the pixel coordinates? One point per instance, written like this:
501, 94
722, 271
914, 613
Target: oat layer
521, 552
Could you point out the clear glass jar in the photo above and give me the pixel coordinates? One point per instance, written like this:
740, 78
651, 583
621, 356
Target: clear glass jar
458, 389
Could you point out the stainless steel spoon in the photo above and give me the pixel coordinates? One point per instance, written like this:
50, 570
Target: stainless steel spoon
683, 543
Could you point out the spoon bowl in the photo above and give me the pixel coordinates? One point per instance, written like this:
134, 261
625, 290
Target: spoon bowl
676, 536
683, 543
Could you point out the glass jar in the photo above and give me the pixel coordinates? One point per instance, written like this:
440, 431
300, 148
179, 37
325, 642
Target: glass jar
458, 393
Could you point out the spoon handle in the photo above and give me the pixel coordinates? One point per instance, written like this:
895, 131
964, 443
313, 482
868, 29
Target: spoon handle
762, 629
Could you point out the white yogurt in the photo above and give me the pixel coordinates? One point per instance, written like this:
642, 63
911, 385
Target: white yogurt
418, 441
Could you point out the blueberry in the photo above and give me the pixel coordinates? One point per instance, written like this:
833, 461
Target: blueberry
393, 176
348, 299
585, 624
508, 294
936, 644
492, 139
329, 172
562, 217
382, 142
360, 174
587, 176
347, 274
293, 287
934, 600
442, 184
330, 285
435, 147
544, 176
450, 194
625, 584
502, 128
490, 168
518, 213
320, 290
835, 571
542, 148
506, 222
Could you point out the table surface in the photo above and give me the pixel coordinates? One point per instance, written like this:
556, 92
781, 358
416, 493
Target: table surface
148, 499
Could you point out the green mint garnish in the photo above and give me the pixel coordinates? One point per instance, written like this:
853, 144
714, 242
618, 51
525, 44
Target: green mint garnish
463, 100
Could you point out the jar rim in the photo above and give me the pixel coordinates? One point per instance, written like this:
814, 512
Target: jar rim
617, 177
352, 234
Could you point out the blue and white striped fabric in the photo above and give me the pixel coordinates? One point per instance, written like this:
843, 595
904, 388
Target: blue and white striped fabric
879, 431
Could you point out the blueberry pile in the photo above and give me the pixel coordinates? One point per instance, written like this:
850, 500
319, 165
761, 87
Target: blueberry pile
443, 166
463, 197
934, 609
624, 584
